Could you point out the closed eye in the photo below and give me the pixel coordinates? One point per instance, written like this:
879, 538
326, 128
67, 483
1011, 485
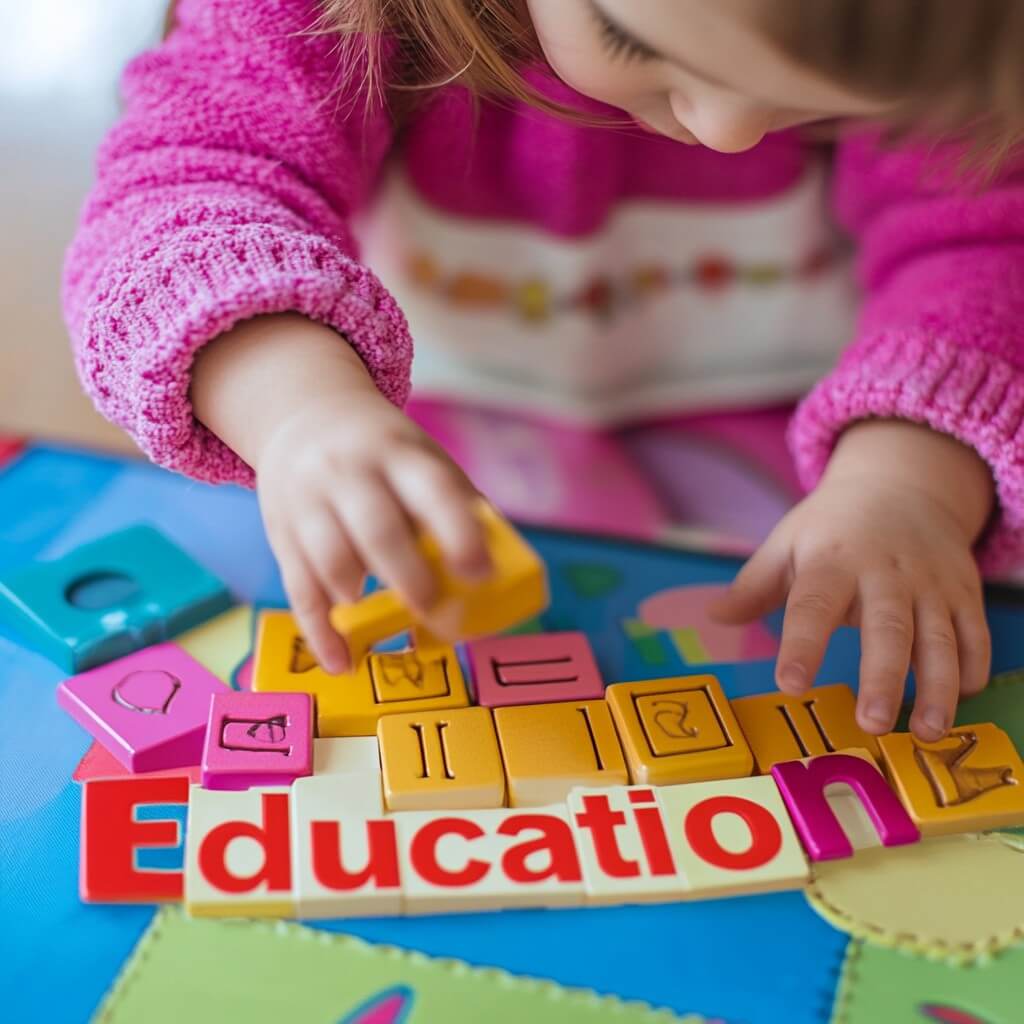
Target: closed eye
617, 42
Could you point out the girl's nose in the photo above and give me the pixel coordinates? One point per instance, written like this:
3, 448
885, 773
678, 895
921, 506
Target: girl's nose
721, 123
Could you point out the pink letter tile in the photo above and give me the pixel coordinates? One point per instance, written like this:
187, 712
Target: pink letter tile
258, 739
534, 668
803, 785
148, 709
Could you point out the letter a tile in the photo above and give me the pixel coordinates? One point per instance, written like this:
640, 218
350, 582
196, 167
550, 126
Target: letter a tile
678, 730
970, 781
732, 837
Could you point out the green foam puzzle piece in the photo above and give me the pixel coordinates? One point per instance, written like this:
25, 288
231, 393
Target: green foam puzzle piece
590, 580
647, 641
264, 972
1002, 702
881, 984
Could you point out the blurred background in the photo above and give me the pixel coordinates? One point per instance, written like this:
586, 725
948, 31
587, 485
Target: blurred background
59, 65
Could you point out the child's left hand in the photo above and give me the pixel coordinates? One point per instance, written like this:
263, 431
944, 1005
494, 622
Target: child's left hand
884, 543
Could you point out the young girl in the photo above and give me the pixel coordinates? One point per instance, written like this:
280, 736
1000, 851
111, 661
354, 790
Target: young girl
604, 211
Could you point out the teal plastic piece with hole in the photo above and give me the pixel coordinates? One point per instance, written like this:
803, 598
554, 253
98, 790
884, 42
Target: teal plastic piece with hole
110, 597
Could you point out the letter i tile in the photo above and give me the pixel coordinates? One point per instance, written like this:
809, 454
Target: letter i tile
732, 837
484, 860
624, 847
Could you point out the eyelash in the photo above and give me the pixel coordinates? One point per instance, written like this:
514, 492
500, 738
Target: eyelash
617, 43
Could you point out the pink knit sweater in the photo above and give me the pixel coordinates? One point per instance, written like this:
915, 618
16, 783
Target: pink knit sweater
228, 187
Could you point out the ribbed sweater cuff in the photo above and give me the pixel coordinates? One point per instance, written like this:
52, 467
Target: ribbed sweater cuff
149, 316
969, 394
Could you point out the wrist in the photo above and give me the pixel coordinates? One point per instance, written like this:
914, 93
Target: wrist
912, 457
250, 382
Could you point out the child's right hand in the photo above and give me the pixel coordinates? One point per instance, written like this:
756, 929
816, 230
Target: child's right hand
345, 484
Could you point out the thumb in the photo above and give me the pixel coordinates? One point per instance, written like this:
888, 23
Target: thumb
759, 587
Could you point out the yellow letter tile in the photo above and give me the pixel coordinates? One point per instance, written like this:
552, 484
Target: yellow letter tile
422, 679
515, 590
548, 749
441, 760
783, 728
970, 781
678, 730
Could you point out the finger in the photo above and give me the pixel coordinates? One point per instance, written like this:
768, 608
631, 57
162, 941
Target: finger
311, 607
974, 646
442, 501
817, 604
886, 620
937, 670
385, 540
759, 587
329, 553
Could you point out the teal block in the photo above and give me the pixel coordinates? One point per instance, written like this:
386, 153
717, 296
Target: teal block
110, 597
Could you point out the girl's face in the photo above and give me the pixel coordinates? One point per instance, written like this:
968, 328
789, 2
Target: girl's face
694, 70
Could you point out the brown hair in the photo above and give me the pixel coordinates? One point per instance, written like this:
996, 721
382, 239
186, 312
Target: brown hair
945, 64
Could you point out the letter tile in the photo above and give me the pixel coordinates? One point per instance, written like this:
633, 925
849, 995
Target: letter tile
148, 709
806, 785
624, 846
238, 854
533, 668
344, 851
732, 837
110, 597
257, 739
132, 839
678, 730
478, 860
549, 749
515, 590
424, 678
346, 755
970, 781
441, 760
779, 727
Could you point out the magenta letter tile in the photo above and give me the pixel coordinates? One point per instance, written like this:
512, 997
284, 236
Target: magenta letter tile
258, 739
803, 785
148, 709
534, 668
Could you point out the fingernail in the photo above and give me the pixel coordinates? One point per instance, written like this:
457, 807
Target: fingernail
935, 720
793, 677
878, 713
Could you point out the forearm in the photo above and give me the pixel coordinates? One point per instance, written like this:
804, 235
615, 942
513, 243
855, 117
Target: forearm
912, 455
251, 379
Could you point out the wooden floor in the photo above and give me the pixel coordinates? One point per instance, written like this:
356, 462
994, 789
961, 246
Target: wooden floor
59, 65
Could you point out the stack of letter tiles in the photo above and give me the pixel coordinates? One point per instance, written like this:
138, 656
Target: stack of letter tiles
415, 785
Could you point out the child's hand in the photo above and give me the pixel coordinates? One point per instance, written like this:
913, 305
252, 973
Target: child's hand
344, 484
884, 543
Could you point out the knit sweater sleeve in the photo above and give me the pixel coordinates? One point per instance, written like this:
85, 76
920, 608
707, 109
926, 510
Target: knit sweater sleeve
225, 192
941, 334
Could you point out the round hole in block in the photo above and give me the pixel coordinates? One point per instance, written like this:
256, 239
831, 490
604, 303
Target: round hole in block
101, 590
